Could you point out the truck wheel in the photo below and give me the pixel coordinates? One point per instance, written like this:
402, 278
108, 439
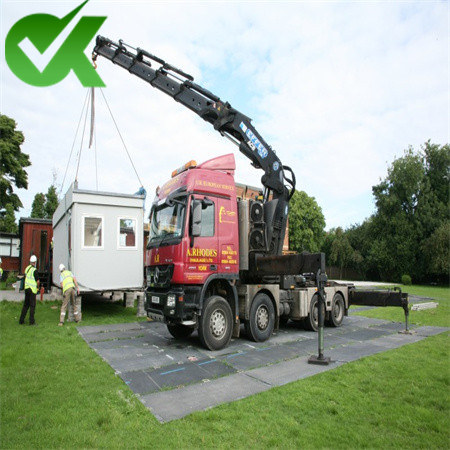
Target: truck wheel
179, 331
260, 325
216, 323
337, 310
311, 322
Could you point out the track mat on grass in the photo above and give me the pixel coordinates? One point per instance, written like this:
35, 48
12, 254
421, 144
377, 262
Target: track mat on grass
174, 378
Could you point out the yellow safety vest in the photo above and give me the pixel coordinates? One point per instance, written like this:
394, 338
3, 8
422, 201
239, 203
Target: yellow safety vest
67, 280
30, 282
1, 273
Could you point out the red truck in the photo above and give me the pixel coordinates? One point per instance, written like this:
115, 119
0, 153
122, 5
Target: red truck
214, 261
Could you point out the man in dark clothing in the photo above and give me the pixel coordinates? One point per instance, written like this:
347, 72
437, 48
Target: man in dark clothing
31, 288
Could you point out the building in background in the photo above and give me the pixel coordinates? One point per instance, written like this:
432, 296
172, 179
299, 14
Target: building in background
35, 239
10, 252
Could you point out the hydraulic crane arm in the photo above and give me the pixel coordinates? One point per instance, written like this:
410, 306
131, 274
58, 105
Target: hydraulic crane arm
228, 121
225, 119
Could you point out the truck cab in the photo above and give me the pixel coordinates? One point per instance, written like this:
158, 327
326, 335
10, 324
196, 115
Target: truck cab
193, 250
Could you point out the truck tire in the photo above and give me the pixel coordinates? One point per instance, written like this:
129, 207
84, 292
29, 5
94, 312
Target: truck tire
337, 311
216, 323
261, 322
179, 331
311, 322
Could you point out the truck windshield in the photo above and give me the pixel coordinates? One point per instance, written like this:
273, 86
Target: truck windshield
167, 220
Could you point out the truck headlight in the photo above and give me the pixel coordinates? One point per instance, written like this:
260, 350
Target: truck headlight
171, 301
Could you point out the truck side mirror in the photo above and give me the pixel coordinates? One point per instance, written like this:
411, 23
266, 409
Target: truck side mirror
207, 202
196, 227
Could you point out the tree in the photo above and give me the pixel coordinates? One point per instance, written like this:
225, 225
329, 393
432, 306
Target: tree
437, 169
8, 220
342, 253
437, 251
44, 206
361, 239
396, 222
412, 204
306, 223
327, 243
432, 207
51, 201
38, 206
12, 164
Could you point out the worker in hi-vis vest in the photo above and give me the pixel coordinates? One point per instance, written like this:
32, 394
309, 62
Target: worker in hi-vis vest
1, 270
68, 285
31, 288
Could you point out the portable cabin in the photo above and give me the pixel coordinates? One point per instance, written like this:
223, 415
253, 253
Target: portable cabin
9, 252
99, 237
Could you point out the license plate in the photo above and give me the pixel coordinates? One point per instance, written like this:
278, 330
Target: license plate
156, 317
155, 299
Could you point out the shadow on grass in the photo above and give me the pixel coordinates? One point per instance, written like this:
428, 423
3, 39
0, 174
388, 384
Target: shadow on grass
97, 309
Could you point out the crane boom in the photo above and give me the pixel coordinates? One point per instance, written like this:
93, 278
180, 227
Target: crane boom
224, 118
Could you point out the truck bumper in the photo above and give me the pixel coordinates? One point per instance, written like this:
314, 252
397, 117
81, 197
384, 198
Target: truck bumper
176, 304
155, 316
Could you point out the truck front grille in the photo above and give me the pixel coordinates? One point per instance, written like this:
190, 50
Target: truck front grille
159, 276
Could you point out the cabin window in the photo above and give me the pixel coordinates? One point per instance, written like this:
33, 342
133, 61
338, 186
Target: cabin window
208, 221
9, 246
5, 246
127, 233
92, 232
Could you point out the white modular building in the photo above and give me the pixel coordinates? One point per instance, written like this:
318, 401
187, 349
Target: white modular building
99, 237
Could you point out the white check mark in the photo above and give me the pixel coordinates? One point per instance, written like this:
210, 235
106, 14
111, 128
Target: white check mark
41, 60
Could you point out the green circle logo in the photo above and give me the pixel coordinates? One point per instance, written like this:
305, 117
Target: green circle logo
34, 56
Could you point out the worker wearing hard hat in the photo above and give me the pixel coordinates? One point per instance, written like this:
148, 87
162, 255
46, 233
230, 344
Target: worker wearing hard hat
1, 270
31, 287
68, 285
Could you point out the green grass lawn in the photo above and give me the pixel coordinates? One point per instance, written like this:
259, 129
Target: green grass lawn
5, 287
57, 392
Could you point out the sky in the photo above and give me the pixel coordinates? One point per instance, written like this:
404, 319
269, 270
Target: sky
338, 89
